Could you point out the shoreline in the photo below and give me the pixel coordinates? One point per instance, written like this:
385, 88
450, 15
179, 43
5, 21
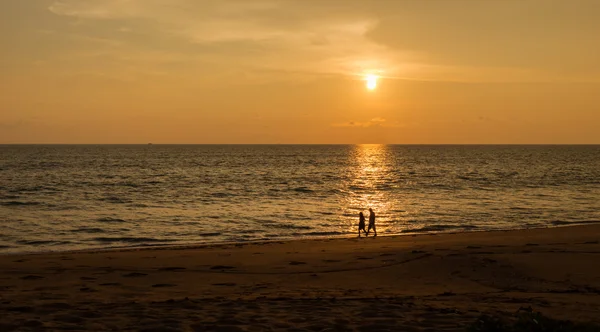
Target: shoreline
198, 245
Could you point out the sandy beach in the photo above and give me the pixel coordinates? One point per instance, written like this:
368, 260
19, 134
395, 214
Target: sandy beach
437, 282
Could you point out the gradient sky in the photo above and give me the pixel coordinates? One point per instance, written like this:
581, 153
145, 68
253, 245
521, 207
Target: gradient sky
292, 71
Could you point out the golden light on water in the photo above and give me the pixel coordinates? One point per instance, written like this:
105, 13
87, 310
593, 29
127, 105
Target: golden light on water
367, 188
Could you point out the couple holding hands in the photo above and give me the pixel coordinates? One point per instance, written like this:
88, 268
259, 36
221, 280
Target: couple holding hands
361, 223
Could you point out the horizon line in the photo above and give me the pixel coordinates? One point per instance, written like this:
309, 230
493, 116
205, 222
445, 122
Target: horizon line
405, 144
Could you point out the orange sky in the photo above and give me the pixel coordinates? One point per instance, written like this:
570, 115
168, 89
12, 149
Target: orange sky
292, 71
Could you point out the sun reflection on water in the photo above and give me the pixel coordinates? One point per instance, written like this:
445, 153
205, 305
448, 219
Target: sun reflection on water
368, 186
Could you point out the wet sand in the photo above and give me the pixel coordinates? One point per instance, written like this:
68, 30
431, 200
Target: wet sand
404, 283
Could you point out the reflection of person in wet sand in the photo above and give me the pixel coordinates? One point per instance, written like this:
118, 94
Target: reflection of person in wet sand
361, 223
371, 222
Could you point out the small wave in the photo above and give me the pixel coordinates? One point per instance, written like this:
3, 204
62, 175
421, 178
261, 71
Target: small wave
4, 247
9, 196
437, 228
209, 234
326, 213
88, 230
287, 226
322, 233
520, 208
263, 221
19, 203
384, 186
115, 200
128, 184
50, 164
131, 239
138, 205
583, 222
41, 242
511, 174
303, 190
221, 195
110, 219
296, 217
54, 207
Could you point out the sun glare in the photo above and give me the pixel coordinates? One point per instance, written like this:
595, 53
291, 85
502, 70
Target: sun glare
371, 82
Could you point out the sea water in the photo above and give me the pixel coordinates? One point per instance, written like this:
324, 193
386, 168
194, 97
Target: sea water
65, 197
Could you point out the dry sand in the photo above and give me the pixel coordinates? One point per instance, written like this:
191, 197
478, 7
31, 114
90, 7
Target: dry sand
403, 283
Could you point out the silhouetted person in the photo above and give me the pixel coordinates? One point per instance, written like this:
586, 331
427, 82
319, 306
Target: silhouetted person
361, 223
371, 222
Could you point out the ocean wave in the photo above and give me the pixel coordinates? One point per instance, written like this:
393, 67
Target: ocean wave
303, 190
222, 195
110, 219
437, 228
325, 213
42, 242
138, 205
19, 203
297, 217
287, 226
582, 222
519, 208
54, 207
210, 234
88, 230
131, 239
115, 200
472, 178
128, 184
50, 164
320, 233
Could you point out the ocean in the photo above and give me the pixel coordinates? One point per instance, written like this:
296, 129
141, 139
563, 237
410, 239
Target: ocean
72, 197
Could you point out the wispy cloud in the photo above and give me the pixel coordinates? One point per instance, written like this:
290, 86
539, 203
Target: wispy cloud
398, 39
287, 35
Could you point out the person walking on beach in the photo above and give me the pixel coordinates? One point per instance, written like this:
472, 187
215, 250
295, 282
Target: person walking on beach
371, 222
361, 223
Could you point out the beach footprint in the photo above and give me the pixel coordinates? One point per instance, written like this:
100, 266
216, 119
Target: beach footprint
32, 277
297, 263
331, 260
172, 268
163, 285
135, 275
222, 267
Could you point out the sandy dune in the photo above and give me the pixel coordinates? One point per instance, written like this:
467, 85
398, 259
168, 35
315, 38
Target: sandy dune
403, 283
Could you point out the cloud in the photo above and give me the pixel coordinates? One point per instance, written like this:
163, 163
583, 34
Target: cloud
277, 35
375, 122
458, 40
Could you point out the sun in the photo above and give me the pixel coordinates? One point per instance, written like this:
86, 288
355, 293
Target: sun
371, 81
